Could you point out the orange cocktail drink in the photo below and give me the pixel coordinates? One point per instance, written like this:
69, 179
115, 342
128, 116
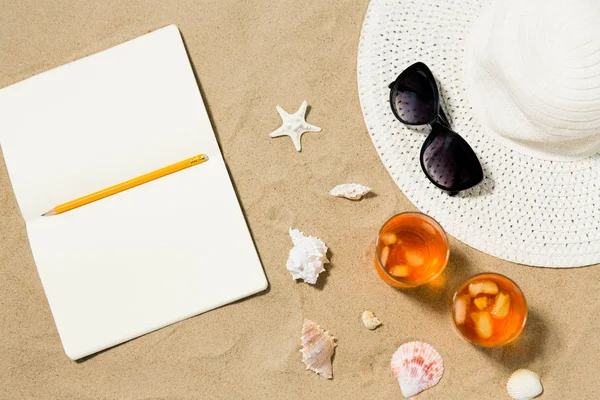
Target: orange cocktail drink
489, 310
412, 249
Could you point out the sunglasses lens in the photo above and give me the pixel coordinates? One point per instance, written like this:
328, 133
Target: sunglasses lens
449, 161
413, 98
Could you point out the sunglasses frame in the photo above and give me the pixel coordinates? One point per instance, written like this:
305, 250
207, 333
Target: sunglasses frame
416, 67
438, 121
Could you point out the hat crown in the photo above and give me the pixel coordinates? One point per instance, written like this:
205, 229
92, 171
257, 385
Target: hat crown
533, 71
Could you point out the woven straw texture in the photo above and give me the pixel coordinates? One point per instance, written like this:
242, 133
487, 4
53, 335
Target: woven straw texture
527, 210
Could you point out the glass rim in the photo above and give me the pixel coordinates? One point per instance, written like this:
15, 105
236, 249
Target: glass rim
520, 292
436, 225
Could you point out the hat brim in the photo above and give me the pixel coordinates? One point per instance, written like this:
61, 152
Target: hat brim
527, 210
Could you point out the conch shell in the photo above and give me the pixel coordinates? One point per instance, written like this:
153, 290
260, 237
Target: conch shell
351, 191
307, 257
317, 348
524, 384
417, 366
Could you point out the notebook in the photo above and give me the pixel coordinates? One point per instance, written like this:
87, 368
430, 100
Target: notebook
147, 257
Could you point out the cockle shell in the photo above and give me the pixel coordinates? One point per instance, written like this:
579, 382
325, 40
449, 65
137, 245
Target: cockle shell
417, 366
307, 257
317, 348
352, 191
524, 384
370, 320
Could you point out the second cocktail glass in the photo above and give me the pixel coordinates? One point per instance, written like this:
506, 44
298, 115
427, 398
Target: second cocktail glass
489, 310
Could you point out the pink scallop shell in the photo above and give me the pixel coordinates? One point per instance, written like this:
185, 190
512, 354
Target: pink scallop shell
417, 366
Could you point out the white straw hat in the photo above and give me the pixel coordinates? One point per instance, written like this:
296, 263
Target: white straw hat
533, 75
520, 81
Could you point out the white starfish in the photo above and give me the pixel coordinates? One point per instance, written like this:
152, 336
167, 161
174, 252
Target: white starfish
294, 125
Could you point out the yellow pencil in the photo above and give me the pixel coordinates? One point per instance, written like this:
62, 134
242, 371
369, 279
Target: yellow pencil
199, 159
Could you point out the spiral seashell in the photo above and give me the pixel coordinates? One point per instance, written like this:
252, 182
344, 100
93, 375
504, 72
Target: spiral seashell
317, 348
307, 258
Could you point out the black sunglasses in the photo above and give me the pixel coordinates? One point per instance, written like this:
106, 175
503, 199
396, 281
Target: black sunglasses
446, 158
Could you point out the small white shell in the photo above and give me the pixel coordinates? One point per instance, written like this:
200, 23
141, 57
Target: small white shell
307, 257
352, 191
370, 320
524, 384
417, 366
317, 348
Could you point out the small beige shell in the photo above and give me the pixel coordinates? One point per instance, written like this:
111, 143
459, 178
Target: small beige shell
417, 366
370, 320
524, 384
351, 191
317, 348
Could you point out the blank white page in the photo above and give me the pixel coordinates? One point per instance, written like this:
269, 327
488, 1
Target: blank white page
152, 255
